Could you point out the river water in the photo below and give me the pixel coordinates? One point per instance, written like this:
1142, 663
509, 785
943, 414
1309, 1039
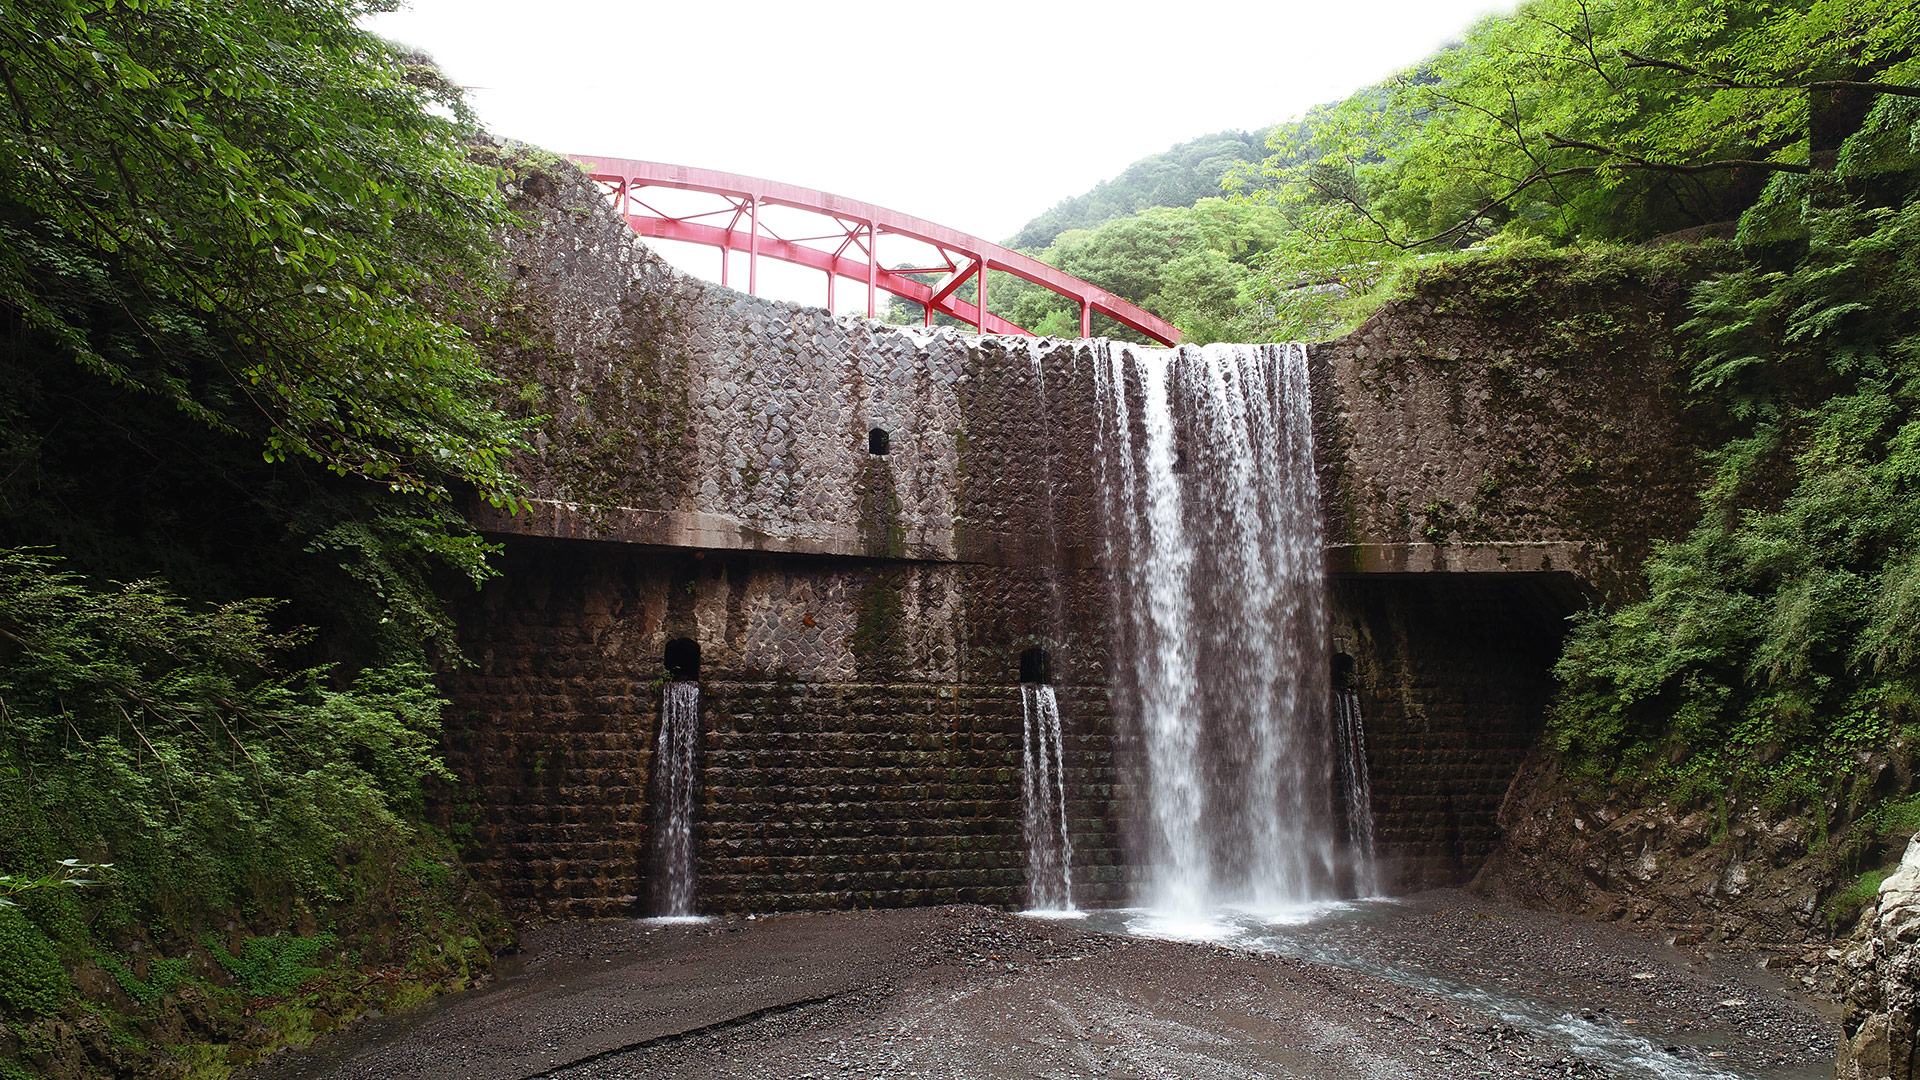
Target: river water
1633, 1014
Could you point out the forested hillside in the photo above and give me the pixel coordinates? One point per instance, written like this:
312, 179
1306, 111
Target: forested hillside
1160, 235
1178, 177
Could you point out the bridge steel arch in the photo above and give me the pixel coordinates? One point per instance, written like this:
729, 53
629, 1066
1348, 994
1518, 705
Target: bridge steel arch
850, 242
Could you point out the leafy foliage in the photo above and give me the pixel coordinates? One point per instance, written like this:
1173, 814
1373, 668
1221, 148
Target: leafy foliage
66, 874
238, 208
1576, 121
32, 980
231, 793
238, 246
140, 725
1158, 235
1189, 265
272, 965
1781, 636
164, 976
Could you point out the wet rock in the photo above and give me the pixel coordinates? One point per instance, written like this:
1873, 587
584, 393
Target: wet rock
1880, 978
1754, 879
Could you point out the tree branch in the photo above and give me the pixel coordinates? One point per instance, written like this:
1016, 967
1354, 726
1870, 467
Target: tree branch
1722, 82
1632, 161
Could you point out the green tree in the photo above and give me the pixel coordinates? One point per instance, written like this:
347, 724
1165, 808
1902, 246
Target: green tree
240, 248
1578, 121
1190, 265
1783, 635
242, 209
1177, 177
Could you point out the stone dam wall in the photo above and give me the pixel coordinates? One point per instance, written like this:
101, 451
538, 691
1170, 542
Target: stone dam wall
705, 472
1522, 415
856, 754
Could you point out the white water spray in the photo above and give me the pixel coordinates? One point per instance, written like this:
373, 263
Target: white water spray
678, 760
1351, 736
1212, 512
1044, 785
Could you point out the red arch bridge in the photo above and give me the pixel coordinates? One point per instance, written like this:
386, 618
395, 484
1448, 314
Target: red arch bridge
840, 237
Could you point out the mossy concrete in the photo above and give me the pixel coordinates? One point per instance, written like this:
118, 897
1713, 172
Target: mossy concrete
703, 471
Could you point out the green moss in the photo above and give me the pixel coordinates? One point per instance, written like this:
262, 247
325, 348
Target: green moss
407, 924
613, 439
271, 966
878, 613
1845, 906
203, 1061
881, 526
32, 980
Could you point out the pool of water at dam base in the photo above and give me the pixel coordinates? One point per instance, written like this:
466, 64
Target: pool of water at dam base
1373, 936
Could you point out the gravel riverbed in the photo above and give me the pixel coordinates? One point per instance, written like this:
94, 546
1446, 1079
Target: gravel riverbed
1435, 985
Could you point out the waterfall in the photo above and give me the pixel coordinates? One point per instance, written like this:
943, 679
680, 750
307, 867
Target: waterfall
1351, 737
1213, 526
676, 766
1044, 785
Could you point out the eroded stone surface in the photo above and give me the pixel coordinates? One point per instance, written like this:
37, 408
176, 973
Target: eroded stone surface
1486, 411
1881, 979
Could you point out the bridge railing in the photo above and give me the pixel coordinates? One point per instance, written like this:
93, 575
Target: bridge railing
847, 245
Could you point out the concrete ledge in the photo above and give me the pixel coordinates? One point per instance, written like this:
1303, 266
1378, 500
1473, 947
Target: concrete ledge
1533, 557
694, 530
691, 530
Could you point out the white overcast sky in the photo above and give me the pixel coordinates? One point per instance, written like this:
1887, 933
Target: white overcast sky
978, 114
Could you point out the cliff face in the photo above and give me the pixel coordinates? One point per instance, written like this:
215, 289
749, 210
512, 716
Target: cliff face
1609, 856
1881, 978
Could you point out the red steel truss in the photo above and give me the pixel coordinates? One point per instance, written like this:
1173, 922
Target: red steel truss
845, 247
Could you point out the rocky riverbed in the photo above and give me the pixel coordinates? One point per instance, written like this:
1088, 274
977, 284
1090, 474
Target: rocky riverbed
1421, 987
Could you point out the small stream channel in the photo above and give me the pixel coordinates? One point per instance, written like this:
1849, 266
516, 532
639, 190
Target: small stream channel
1633, 1016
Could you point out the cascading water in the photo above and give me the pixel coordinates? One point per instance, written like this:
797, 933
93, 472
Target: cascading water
678, 760
1351, 737
1212, 512
1044, 785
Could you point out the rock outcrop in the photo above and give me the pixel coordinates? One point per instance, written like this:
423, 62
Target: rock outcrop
1880, 976
1753, 876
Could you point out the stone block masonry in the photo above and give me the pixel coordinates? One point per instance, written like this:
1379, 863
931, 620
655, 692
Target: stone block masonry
887, 795
1521, 415
1453, 675
708, 467
861, 726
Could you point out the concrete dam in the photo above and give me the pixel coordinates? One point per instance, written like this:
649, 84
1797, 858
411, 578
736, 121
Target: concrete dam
816, 612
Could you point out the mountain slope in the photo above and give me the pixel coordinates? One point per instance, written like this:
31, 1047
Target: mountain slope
1180, 176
